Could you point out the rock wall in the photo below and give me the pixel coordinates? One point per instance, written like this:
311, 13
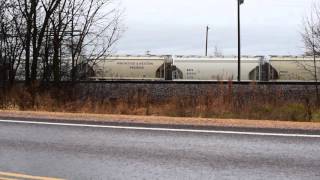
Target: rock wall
159, 91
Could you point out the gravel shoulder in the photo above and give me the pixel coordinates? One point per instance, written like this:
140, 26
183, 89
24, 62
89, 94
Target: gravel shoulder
159, 120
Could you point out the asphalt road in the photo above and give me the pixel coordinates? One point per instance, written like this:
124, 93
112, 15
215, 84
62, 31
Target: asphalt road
75, 152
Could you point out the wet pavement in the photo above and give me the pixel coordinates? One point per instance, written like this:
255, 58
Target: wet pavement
102, 153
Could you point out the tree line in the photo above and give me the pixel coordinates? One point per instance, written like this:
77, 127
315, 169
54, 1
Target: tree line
55, 40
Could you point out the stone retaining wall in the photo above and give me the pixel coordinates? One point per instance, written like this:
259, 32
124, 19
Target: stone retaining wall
162, 91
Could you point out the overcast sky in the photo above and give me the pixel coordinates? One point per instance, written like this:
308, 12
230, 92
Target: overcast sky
269, 27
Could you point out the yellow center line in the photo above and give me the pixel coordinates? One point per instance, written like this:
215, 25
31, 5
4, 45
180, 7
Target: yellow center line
16, 175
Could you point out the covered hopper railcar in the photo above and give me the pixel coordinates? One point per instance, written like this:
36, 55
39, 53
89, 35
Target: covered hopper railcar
150, 67
217, 68
294, 68
132, 68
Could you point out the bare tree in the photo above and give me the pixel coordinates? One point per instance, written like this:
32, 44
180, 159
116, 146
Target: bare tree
217, 52
94, 30
11, 42
311, 38
51, 39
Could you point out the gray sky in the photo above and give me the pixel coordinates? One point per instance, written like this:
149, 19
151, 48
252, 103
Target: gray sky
269, 27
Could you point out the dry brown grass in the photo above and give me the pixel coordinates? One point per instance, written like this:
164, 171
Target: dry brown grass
221, 102
59, 116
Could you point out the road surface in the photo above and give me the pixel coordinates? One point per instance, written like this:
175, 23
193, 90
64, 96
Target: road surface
105, 152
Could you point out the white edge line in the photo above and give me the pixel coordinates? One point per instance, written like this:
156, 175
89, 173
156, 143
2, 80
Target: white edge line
163, 129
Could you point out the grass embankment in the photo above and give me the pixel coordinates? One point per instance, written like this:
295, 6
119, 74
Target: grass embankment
218, 102
69, 117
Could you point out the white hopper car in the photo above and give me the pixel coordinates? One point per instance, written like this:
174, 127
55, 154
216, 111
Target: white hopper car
216, 68
293, 68
151, 67
130, 68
